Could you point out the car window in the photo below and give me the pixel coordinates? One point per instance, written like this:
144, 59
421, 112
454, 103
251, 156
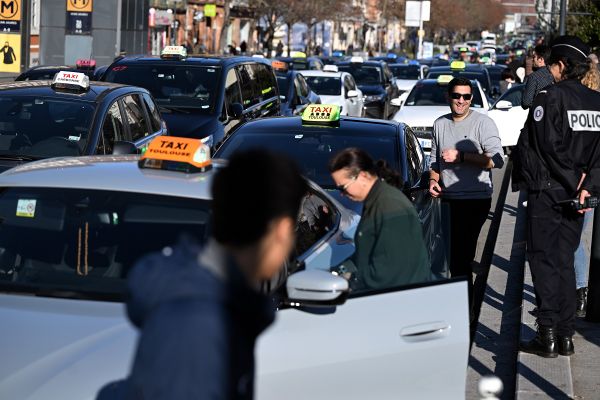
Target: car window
44, 127
513, 95
303, 88
135, 117
348, 85
363, 75
413, 156
112, 130
78, 242
315, 219
406, 72
266, 82
153, 113
249, 85
433, 94
232, 91
482, 77
173, 86
283, 86
325, 85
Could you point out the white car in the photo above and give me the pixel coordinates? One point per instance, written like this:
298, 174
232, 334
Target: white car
427, 101
407, 75
72, 227
509, 116
338, 88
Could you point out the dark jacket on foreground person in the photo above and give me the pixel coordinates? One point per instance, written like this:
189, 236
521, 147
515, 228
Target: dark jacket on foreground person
199, 321
560, 140
390, 250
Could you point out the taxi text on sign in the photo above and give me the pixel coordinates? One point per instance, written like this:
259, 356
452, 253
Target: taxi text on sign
79, 5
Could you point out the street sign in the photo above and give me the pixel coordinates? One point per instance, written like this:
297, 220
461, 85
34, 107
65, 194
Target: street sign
417, 11
427, 49
10, 16
79, 6
210, 10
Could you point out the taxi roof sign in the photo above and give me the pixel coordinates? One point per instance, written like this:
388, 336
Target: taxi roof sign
85, 63
173, 52
176, 154
330, 68
321, 114
444, 79
71, 81
298, 54
279, 65
458, 65
357, 59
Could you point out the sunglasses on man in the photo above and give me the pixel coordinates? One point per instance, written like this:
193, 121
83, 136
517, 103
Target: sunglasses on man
466, 96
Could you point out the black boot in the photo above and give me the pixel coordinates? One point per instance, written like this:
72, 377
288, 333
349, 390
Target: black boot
565, 346
543, 344
581, 301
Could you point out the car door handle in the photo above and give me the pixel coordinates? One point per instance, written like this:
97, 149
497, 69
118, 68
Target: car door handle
425, 332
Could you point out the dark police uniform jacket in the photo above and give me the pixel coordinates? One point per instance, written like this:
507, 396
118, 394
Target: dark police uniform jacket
390, 249
199, 320
560, 140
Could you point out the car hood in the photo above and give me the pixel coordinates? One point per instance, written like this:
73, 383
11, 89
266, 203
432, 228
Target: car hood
62, 348
371, 89
191, 125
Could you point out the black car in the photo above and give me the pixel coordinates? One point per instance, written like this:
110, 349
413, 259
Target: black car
302, 63
377, 83
39, 119
295, 92
469, 71
46, 72
202, 97
312, 146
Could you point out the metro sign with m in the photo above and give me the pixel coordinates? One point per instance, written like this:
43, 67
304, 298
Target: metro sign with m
79, 5
10, 10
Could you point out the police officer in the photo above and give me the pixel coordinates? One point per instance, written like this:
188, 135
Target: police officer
197, 307
557, 159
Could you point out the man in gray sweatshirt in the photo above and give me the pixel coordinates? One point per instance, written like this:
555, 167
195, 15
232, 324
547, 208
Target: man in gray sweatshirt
465, 147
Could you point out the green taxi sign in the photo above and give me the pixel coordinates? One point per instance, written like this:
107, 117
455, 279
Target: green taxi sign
321, 114
458, 65
444, 79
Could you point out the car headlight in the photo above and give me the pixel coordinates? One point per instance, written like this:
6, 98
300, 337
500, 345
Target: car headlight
374, 97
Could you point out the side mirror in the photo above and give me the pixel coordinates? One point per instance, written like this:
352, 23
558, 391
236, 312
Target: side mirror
352, 93
315, 288
396, 102
236, 110
123, 147
503, 105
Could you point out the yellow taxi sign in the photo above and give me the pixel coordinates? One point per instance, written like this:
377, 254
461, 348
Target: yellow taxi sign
177, 52
297, 54
321, 114
176, 154
71, 81
444, 79
458, 65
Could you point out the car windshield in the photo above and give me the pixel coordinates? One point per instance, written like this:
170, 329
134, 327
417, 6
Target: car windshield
312, 151
406, 72
325, 85
481, 77
82, 243
283, 85
433, 94
363, 74
43, 127
177, 86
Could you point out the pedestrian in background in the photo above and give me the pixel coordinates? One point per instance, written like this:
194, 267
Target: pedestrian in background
582, 258
198, 309
465, 147
540, 79
557, 158
390, 248
507, 80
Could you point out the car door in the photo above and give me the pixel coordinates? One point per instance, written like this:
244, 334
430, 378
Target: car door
138, 126
401, 343
113, 130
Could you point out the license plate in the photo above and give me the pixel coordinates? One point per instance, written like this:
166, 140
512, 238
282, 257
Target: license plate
425, 143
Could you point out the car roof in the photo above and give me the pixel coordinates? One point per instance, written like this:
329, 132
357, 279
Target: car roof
313, 72
294, 125
370, 63
112, 173
43, 88
468, 68
210, 61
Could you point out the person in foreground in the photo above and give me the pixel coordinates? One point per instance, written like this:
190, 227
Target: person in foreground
198, 309
557, 160
390, 249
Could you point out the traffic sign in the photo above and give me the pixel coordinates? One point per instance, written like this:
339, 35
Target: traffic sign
210, 10
10, 10
79, 5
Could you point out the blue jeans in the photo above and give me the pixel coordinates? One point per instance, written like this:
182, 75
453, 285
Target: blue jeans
582, 258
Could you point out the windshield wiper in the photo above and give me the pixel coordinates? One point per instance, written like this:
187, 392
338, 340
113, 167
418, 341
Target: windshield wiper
180, 110
18, 157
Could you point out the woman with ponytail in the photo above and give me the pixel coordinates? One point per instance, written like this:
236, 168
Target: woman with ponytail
390, 250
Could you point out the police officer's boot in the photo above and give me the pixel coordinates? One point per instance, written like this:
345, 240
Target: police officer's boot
544, 344
565, 346
581, 301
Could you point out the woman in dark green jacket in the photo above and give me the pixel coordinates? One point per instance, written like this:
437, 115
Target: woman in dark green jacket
390, 249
